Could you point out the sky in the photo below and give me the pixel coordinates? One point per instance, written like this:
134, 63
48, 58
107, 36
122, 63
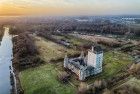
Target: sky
69, 7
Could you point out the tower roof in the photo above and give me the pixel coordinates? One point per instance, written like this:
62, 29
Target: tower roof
97, 49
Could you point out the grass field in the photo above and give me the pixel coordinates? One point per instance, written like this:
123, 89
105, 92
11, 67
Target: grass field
73, 40
114, 62
43, 79
50, 50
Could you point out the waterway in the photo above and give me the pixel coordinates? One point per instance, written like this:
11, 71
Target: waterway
6, 56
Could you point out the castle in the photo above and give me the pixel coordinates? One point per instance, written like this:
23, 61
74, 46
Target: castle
86, 66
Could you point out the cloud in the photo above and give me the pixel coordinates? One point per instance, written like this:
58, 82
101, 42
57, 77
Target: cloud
72, 6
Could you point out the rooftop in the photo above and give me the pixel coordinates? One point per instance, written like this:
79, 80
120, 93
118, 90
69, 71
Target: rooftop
96, 49
77, 62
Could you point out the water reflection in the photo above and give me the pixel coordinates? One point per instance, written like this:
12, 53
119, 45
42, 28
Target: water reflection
5, 62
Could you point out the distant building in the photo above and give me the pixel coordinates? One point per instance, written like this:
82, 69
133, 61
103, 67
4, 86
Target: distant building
86, 66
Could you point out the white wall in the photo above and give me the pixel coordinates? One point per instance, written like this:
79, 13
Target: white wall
91, 59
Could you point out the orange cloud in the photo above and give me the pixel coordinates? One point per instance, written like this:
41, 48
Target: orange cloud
67, 7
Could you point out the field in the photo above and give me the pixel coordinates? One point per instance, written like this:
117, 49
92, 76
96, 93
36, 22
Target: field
97, 38
43, 79
50, 50
132, 85
73, 40
114, 62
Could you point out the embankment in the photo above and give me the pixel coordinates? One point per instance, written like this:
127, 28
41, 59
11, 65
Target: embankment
24, 56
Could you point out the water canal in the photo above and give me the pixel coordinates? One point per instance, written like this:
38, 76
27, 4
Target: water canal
6, 56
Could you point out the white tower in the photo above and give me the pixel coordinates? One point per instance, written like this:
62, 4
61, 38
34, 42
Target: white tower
95, 58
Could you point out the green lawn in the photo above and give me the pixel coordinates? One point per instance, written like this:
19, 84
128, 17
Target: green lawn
43, 80
114, 62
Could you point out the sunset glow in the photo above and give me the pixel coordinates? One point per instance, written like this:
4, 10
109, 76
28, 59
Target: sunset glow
69, 7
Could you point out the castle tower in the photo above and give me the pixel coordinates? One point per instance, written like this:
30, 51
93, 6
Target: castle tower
95, 58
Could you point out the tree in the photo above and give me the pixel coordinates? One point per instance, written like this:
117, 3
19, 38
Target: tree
64, 77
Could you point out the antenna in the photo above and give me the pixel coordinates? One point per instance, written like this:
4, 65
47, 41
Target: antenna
82, 54
92, 49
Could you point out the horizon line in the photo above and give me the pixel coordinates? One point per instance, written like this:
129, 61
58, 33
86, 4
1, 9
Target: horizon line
67, 15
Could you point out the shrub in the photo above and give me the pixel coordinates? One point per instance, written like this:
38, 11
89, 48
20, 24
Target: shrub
64, 77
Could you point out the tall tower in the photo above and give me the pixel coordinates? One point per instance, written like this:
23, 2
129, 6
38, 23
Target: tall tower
95, 58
